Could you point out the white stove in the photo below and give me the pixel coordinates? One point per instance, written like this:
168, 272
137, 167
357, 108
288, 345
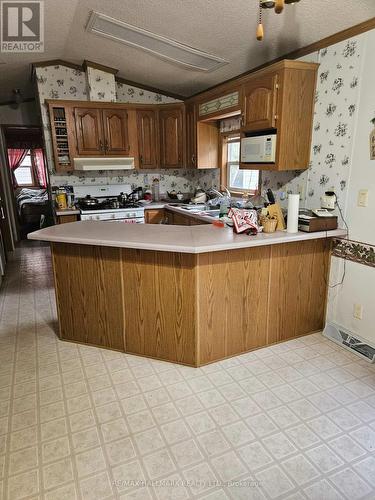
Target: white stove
128, 213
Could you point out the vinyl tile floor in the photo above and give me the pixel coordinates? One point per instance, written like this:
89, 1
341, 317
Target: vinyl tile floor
291, 421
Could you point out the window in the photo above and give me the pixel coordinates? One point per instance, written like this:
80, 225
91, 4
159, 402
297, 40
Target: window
24, 173
240, 181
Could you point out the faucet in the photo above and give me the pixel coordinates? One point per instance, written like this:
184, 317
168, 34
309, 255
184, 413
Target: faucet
219, 196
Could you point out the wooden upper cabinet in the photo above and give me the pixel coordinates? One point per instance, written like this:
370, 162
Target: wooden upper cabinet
202, 140
115, 128
281, 98
171, 136
89, 131
191, 135
147, 130
259, 103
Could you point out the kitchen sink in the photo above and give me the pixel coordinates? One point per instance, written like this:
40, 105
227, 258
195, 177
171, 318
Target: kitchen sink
213, 212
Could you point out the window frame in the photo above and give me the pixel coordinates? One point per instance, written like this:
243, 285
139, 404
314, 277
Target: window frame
34, 183
225, 171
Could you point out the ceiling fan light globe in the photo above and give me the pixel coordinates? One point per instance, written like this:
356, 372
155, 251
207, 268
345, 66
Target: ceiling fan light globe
268, 4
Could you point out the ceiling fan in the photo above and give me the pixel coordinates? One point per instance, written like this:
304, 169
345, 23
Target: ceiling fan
277, 5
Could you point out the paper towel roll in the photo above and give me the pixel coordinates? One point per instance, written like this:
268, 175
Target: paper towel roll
293, 210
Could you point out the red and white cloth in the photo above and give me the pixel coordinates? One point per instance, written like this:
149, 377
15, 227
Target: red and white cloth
244, 220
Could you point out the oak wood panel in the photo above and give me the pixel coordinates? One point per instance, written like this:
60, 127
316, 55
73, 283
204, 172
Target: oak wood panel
298, 288
64, 219
208, 139
259, 103
147, 138
160, 311
115, 126
296, 111
89, 294
154, 215
191, 135
171, 137
233, 301
89, 131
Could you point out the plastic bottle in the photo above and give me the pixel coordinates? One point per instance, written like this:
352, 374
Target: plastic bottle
155, 190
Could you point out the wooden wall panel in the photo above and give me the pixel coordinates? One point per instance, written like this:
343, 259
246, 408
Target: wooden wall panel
299, 275
89, 294
159, 304
232, 301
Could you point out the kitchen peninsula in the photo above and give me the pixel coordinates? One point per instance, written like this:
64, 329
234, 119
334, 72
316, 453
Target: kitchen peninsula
190, 295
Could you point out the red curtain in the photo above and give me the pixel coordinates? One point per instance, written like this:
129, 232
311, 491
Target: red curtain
40, 172
16, 157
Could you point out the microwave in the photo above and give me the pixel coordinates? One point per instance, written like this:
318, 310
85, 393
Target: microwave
258, 149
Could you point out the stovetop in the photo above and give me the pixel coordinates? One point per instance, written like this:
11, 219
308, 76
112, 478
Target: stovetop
107, 205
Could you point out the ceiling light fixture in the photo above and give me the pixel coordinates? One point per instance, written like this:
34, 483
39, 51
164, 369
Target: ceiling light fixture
158, 45
278, 5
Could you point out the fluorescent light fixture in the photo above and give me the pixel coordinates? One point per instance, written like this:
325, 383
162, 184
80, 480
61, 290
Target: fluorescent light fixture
160, 46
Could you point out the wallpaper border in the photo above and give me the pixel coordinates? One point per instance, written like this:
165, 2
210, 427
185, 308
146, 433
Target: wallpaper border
356, 251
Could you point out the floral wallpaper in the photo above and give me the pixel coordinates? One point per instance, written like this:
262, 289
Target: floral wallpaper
184, 180
127, 94
101, 85
60, 82
336, 103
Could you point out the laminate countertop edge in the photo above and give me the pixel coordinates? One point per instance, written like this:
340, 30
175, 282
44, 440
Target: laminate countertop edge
165, 238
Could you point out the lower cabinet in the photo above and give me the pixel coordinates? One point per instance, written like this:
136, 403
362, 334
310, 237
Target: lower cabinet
154, 216
64, 219
177, 219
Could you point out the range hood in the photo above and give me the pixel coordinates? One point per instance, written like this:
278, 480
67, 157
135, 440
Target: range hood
104, 163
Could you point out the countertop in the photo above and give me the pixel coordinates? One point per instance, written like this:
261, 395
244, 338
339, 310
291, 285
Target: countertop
184, 239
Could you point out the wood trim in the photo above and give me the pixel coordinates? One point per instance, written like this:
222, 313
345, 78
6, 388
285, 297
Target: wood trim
149, 88
99, 104
295, 54
56, 62
91, 64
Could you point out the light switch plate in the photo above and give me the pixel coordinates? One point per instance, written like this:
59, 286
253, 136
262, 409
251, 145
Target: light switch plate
358, 311
362, 198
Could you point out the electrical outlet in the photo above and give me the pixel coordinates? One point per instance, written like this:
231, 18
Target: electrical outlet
362, 198
358, 311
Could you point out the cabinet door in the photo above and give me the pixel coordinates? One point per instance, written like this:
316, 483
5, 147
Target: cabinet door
171, 138
147, 138
191, 136
89, 131
154, 216
259, 103
115, 125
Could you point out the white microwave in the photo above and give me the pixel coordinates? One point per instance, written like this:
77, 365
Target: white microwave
258, 149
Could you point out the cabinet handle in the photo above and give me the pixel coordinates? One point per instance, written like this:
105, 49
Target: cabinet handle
141, 159
106, 146
193, 159
2, 213
101, 146
242, 119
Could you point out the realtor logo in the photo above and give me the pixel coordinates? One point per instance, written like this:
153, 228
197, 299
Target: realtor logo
22, 26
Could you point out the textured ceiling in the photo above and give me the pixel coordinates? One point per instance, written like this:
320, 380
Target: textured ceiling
221, 27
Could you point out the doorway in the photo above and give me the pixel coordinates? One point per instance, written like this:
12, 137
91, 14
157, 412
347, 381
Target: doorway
25, 174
